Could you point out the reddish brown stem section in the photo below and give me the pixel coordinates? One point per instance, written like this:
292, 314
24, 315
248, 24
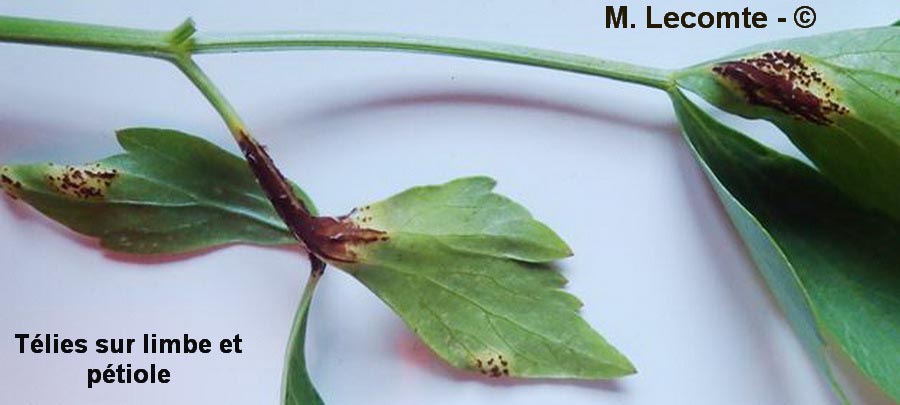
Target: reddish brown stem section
328, 238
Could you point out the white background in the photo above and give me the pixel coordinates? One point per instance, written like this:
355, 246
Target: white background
662, 273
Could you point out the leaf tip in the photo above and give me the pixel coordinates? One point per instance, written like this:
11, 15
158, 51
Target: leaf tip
564, 249
9, 183
477, 182
617, 365
628, 367
556, 247
559, 250
123, 135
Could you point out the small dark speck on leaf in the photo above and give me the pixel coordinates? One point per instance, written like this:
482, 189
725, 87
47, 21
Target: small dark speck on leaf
495, 371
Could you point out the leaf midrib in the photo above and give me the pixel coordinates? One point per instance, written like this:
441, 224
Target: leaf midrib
197, 202
203, 201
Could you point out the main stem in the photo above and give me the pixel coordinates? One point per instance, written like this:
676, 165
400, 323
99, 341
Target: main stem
160, 44
521, 55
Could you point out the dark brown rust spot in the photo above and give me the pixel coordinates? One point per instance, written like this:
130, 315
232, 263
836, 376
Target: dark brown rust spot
327, 237
783, 81
495, 371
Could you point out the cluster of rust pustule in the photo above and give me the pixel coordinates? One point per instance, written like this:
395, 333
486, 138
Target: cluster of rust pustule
785, 82
83, 182
493, 367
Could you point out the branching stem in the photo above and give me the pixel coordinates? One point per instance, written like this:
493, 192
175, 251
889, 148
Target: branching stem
180, 44
169, 45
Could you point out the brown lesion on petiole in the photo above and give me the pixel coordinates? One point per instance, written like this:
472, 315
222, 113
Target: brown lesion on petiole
329, 238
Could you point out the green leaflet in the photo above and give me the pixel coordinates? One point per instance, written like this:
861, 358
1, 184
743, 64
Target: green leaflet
837, 96
297, 388
831, 264
169, 193
466, 216
460, 266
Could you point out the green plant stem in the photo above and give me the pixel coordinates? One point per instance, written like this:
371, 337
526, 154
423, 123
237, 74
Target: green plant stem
293, 356
179, 43
223, 43
214, 96
85, 36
